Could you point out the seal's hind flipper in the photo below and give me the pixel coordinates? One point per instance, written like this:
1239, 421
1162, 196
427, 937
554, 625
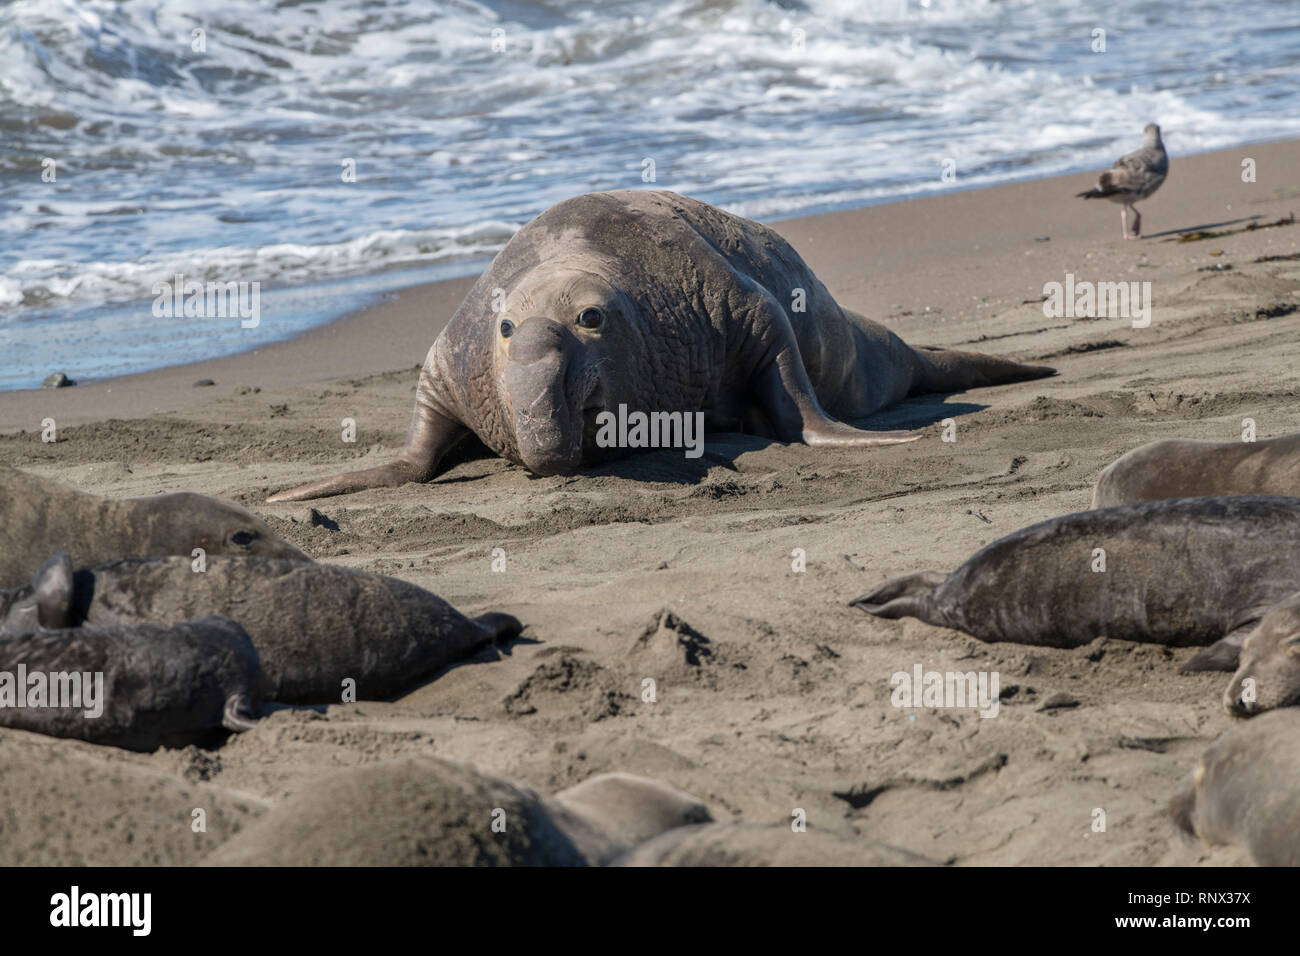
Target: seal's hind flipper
908, 596
952, 370
503, 627
53, 587
238, 715
1222, 655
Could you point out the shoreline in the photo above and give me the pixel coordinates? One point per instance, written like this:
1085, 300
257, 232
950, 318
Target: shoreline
864, 231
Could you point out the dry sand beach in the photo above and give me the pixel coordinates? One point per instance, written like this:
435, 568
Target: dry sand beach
772, 694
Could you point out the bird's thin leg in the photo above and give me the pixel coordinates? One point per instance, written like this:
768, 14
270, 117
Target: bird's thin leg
1137, 221
1123, 221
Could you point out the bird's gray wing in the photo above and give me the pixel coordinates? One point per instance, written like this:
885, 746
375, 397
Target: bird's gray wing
1133, 174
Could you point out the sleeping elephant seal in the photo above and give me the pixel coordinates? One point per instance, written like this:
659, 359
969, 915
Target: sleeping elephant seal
137, 686
1187, 468
314, 625
1245, 790
659, 304
435, 812
41, 517
1178, 573
610, 812
1269, 674
752, 844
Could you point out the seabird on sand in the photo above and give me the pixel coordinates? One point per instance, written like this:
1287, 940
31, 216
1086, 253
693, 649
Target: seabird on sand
1133, 178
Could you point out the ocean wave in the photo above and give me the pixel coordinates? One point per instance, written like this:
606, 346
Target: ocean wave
38, 283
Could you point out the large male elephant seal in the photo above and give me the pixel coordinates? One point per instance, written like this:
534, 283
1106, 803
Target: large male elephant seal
39, 517
170, 685
1187, 468
662, 304
314, 625
435, 812
1268, 676
1178, 573
1245, 790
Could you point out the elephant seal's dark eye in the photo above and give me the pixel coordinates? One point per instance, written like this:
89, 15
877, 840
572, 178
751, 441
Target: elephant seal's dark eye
507, 328
242, 538
591, 319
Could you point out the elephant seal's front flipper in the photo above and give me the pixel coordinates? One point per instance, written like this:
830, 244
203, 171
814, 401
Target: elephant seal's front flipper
53, 588
1225, 653
791, 406
431, 436
789, 401
239, 715
45, 604
503, 627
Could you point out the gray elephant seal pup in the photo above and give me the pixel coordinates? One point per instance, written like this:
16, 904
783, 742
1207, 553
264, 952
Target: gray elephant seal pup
1187, 468
314, 625
660, 304
41, 517
1245, 790
1268, 676
751, 844
435, 812
138, 687
1178, 573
